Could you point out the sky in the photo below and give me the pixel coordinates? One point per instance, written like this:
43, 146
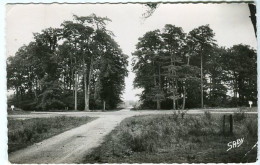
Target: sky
230, 22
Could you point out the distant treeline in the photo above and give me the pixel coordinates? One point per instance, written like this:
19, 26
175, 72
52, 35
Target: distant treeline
76, 66
178, 70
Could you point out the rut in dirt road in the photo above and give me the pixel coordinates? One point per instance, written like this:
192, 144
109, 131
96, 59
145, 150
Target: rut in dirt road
70, 146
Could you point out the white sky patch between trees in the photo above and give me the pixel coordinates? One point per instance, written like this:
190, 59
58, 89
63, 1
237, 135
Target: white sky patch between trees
230, 22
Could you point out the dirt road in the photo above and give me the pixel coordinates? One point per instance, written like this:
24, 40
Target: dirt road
118, 113
70, 146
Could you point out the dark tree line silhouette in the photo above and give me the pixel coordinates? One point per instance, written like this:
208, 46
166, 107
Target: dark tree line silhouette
178, 70
76, 66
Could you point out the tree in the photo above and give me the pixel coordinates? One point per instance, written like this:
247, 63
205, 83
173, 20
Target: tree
34, 67
173, 41
147, 66
83, 33
217, 90
203, 40
151, 7
69, 72
240, 66
112, 70
160, 69
64, 64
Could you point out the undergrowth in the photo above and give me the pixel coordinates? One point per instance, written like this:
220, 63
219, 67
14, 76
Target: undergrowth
174, 139
22, 133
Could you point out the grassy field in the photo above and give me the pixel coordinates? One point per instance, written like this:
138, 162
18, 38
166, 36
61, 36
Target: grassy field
22, 133
20, 112
173, 139
239, 109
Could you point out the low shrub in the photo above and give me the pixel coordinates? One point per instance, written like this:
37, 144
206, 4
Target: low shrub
239, 116
142, 142
208, 115
252, 127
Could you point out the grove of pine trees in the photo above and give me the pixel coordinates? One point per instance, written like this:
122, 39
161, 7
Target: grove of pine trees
178, 70
78, 66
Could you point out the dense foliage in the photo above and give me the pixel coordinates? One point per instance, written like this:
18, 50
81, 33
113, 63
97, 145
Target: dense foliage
178, 70
76, 66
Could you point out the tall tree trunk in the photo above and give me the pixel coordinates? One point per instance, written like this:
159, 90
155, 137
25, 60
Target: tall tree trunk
73, 86
210, 87
201, 80
17, 93
184, 87
76, 91
176, 100
87, 92
159, 99
235, 89
158, 104
184, 95
64, 85
35, 90
173, 97
71, 80
85, 85
104, 105
173, 86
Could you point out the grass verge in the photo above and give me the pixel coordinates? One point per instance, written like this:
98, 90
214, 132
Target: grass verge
17, 112
22, 133
173, 139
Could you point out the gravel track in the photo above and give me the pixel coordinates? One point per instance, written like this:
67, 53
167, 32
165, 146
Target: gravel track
70, 146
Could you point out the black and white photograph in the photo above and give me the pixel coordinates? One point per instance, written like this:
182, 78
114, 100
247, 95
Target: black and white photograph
144, 82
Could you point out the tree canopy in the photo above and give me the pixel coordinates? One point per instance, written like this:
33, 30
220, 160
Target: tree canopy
178, 70
76, 66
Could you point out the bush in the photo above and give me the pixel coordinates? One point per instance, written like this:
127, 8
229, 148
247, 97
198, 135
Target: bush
27, 104
207, 114
136, 107
239, 116
140, 143
252, 128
